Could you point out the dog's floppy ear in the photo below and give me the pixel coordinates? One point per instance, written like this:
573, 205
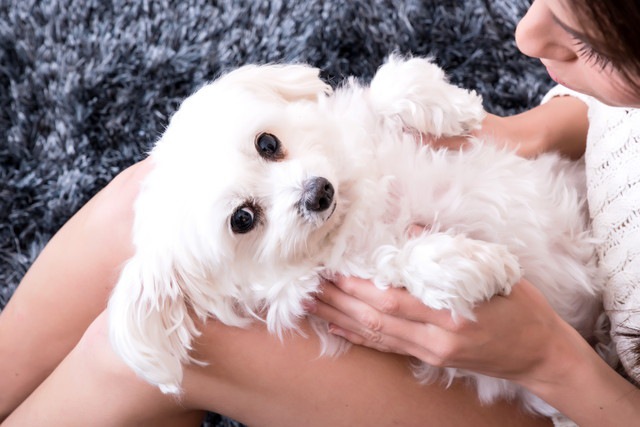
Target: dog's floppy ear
417, 92
289, 82
150, 326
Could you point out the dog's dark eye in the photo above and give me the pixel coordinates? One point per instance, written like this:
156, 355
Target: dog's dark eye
269, 146
243, 220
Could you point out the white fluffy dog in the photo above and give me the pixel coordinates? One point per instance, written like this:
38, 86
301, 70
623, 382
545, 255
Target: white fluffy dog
266, 180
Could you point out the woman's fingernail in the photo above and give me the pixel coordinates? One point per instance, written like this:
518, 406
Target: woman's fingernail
333, 329
309, 305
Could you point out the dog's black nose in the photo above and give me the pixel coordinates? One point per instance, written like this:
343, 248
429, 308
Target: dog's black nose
318, 194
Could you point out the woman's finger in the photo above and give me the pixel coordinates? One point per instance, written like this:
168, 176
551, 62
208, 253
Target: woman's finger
346, 327
338, 309
437, 353
450, 143
354, 315
364, 325
395, 302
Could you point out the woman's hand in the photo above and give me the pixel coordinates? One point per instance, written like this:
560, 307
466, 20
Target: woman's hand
512, 336
559, 125
517, 337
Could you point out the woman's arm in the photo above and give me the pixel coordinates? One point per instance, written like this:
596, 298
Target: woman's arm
560, 125
575, 380
533, 347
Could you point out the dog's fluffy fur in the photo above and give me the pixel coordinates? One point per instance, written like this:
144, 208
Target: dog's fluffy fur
265, 180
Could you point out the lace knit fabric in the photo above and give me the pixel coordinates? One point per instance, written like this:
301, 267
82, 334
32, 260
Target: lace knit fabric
612, 161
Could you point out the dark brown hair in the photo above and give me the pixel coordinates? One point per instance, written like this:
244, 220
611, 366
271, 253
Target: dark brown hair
613, 30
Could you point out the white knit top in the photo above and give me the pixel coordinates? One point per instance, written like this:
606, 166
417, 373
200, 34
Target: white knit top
612, 161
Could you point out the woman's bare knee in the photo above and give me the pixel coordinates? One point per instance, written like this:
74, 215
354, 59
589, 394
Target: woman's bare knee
139, 403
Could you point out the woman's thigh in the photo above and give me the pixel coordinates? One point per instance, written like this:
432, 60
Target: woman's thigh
93, 387
66, 288
257, 379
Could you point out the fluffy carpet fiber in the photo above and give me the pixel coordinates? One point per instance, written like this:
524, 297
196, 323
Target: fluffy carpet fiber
86, 86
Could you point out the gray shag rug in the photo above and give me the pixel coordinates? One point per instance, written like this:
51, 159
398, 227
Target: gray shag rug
87, 86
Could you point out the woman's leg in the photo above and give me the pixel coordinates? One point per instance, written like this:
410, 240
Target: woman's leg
92, 387
255, 378
251, 375
65, 289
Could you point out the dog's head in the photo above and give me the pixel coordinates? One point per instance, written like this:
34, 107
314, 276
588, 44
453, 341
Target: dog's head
248, 182
251, 177
245, 186
247, 172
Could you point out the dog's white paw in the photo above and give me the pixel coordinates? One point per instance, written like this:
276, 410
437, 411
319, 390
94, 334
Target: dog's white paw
417, 92
449, 272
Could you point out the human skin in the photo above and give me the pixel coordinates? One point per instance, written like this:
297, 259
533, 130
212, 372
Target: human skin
552, 360
250, 374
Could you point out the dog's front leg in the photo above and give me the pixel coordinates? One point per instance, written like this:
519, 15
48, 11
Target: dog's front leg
416, 91
446, 271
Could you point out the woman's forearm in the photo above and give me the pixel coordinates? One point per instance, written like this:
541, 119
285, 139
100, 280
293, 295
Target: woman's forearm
577, 382
559, 125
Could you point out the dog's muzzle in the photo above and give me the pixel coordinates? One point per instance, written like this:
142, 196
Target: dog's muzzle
317, 195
